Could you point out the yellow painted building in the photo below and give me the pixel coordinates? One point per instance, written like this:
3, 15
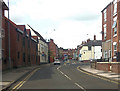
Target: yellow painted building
91, 50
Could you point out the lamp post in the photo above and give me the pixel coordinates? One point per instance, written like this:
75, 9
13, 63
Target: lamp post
0, 31
111, 30
9, 37
1, 43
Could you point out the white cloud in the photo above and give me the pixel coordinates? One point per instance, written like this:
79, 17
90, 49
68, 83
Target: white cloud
72, 19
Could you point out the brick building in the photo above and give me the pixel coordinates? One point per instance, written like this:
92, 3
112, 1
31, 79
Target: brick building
111, 31
110, 38
52, 50
23, 47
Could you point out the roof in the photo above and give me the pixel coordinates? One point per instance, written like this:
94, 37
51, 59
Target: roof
93, 43
35, 37
22, 27
10, 21
28, 31
107, 6
4, 6
41, 38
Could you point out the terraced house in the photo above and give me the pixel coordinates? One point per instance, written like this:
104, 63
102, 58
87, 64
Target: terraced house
19, 47
111, 32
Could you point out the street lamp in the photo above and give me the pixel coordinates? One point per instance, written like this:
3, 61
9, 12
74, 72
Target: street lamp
111, 29
9, 37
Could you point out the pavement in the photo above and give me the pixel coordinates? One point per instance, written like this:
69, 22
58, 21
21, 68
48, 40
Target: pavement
108, 75
11, 76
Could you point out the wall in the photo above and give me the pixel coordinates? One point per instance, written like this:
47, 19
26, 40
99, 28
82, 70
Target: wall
52, 50
108, 66
98, 53
43, 52
87, 54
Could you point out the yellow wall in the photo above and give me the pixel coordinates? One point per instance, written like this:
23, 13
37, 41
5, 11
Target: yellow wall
86, 54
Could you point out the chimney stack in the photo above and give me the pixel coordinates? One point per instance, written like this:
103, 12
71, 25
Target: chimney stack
94, 37
88, 40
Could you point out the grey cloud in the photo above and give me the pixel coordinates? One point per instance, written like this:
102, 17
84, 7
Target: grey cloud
84, 17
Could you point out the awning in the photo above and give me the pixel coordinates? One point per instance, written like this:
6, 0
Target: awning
114, 24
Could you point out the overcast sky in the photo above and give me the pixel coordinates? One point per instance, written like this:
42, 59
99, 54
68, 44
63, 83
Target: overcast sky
66, 21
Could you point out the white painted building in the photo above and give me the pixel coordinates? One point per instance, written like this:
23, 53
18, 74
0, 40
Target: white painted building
43, 50
97, 52
91, 50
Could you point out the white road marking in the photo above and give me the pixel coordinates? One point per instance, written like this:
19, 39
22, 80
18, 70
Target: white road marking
80, 86
70, 78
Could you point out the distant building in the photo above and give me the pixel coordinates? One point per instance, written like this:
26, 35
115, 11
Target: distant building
52, 50
42, 47
111, 31
91, 50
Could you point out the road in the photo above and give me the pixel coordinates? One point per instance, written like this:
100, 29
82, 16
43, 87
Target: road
64, 76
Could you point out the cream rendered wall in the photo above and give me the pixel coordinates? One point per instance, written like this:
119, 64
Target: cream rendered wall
87, 54
43, 48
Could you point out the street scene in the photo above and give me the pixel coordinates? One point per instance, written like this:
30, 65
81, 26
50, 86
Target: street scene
59, 45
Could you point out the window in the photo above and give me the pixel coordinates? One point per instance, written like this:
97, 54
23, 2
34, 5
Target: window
28, 58
115, 25
89, 47
105, 54
115, 7
28, 44
24, 41
115, 48
18, 55
105, 15
105, 31
23, 57
18, 37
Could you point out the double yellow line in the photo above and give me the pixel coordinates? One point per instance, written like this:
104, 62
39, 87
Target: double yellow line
20, 84
103, 78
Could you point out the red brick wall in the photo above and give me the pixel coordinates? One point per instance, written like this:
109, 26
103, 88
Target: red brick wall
19, 49
118, 27
108, 23
17, 46
52, 49
103, 66
5, 45
115, 67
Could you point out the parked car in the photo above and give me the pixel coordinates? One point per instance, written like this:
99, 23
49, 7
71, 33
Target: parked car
56, 62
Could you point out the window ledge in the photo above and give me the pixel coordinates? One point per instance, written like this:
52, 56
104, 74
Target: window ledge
114, 57
115, 14
115, 35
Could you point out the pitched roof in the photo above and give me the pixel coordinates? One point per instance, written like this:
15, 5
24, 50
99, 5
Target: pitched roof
4, 6
22, 27
93, 43
10, 21
28, 31
38, 34
107, 6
